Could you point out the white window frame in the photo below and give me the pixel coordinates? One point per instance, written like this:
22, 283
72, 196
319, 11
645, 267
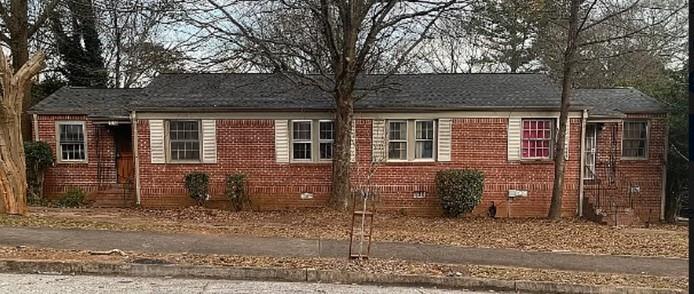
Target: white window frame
646, 140
388, 140
593, 131
323, 141
59, 147
167, 137
552, 138
304, 141
433, 141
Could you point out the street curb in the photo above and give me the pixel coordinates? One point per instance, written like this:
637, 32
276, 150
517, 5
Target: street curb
305, 275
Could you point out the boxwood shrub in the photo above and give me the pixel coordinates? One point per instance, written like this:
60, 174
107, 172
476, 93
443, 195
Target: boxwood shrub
197, 184
459, 190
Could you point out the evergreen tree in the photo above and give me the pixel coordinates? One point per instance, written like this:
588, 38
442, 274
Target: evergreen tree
79, 45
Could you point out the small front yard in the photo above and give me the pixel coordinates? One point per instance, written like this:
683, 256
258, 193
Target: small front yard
570, 235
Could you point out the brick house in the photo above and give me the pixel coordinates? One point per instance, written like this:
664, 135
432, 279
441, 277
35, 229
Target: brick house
134, 146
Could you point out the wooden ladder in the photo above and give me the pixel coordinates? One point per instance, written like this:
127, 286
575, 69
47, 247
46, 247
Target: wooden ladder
362, 225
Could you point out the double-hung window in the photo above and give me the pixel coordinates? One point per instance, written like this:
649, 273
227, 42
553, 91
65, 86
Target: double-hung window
302, 142
326, 137
397, 140
537, 138
312, 140
72, 145
411, 140
184, 140
635, 140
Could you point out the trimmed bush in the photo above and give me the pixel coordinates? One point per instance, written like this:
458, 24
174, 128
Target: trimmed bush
459, 190
197, 184
236, 191
38, 158
74, 197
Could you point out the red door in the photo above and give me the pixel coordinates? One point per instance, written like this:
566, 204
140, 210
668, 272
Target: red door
125, 165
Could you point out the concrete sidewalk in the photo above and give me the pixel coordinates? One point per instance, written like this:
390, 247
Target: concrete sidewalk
253, 246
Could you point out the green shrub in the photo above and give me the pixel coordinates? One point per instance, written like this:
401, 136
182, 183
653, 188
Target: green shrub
197, 184
459, 190
236, 191
38, 158
74, 197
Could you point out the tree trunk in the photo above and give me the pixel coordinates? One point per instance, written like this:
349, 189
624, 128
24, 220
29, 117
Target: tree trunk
19, 47
566, 93
13, 184
341, 186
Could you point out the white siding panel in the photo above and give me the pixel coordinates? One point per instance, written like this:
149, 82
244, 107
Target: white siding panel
209, 141
156, 141
444, 136
282, 141
378, 144
353, 139
514, 138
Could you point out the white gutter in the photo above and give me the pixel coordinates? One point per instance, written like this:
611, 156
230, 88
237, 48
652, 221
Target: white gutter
584, 117
663, 197
35, 122
136, 156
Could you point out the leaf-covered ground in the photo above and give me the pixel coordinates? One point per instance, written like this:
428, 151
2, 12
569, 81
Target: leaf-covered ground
572, 235
386, 266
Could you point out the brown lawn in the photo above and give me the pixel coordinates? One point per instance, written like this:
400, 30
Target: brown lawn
572, 235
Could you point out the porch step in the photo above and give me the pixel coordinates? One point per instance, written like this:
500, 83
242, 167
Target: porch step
114, 197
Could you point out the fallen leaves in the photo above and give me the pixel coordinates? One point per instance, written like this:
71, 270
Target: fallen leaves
382, 266
567, 235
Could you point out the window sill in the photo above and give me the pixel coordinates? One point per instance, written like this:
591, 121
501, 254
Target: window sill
634, 158
413, 162
185, 162
72, 162
537, 161
310, 162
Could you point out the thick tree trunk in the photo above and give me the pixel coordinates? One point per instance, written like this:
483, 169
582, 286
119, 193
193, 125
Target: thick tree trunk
566, 93
341, 185
13, 184
19, 47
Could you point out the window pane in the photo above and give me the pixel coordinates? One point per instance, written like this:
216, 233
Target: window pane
302, 150
425, 130
326, 150
634, 141
397, 150
424, 149
398, 130
327, 129
536, 138
184, 137
302, 130
72, 142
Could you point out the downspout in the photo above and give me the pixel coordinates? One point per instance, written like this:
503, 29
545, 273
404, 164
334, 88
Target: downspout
35, 122
584, 119
136, 156
664, 177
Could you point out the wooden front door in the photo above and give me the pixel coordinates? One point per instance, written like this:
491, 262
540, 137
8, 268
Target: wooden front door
125, 163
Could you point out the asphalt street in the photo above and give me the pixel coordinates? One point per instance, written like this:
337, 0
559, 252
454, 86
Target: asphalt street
35, 283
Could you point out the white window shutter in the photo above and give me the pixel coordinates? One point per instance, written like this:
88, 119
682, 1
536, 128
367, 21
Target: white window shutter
282, 141
209, 141
353, 145
566, 139
156, 141
514, 138
444, 136
378, 144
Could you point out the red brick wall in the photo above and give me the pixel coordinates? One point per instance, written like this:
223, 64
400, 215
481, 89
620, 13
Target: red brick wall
647, 174
62, 176
248, 146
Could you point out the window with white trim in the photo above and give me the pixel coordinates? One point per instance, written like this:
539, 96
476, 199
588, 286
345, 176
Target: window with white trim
411, 140
326, 138
71, 142
635, 139
184, 140
537, 139
302, 140
424, 139
397, 140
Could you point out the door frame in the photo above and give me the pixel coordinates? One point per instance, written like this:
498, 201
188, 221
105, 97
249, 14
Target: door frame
591, 131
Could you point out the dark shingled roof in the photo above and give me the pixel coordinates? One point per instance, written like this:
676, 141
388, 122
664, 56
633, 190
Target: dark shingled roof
406, 92
617, 101
107, 103
398, 92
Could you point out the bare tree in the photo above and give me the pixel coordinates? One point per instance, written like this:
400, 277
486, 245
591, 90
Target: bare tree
582, 24
327, 44
21, 20
13, 183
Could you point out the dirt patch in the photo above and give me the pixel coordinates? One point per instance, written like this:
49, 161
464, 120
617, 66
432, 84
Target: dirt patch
567, 235
386, 266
